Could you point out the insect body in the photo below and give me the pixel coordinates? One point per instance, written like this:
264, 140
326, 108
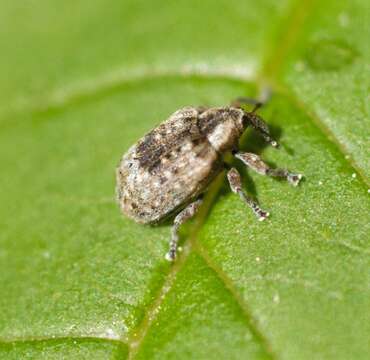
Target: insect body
167, 171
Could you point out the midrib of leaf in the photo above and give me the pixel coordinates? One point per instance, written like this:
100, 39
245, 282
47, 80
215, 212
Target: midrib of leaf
288, 37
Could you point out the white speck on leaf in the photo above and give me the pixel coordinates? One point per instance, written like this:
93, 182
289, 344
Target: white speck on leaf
111, 334
343, 19
299, 66
248, 336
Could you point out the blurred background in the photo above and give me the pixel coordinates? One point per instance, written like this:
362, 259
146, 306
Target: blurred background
81, 81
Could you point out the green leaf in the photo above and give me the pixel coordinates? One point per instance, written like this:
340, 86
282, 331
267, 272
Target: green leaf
81, 81
199, 308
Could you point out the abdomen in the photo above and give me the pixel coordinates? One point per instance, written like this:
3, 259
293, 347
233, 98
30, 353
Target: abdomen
148, 194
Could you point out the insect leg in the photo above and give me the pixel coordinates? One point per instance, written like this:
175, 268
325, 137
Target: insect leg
255, 162
261, 127
181, 217
253, 119
236, 186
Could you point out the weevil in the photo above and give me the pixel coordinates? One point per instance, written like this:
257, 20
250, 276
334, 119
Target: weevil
166, 172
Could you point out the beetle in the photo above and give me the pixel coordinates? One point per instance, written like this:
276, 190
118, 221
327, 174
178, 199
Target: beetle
167, 171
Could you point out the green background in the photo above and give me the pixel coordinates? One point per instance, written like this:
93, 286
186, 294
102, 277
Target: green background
80, 81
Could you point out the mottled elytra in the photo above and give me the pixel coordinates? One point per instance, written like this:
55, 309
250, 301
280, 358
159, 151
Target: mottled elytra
167, 171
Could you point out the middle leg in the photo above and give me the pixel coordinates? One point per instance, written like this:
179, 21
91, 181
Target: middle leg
236, 186
255, 162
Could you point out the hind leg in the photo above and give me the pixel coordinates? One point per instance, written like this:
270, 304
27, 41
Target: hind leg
181, 217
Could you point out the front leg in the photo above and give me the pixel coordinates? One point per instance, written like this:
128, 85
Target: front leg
181, 217
261, 127
255, 162
236, 186
254, 120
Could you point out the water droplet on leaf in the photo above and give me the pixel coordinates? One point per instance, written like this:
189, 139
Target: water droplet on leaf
328, 55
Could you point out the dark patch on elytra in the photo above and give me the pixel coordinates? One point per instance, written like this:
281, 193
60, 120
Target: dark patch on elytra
197, 141
209, 120
154, 166
162, 180
149, 152
149, 160
148, 142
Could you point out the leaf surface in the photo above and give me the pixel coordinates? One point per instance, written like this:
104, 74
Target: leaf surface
82, 81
